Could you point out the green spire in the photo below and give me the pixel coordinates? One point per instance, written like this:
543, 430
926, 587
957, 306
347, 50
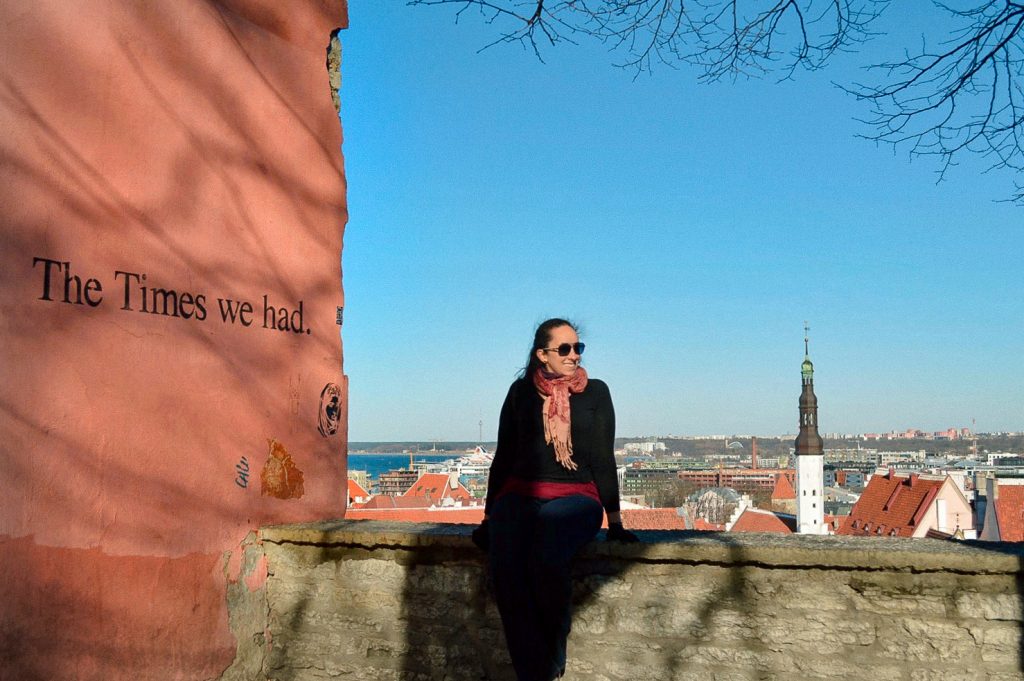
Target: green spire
807, 369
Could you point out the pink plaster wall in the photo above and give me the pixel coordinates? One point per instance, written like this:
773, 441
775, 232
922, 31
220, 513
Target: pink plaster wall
193, 142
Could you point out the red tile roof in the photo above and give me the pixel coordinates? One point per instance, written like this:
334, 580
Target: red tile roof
704, 525
437, 486
1010, 512
653, 519
891, 505
936, 534
663, 519
834, 521
355, 491
757, 520
633, 519
385, 501
783, 489
461, 516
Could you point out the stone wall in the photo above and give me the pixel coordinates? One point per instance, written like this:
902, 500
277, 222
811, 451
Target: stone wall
370, 600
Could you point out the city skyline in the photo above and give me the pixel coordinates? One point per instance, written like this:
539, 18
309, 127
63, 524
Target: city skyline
690, 229
892, 435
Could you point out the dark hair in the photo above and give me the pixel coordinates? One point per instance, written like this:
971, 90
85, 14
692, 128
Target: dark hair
541, 338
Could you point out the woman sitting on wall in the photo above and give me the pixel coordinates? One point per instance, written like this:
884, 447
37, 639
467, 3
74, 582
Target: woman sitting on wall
553, 473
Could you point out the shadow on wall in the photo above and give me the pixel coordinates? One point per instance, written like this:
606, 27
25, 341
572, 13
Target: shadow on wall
474, 648
1011, 607
174, 140
737, 620
370, 599
719, 602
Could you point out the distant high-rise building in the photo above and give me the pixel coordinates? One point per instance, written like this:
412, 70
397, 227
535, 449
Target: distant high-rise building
810, 456
397, 483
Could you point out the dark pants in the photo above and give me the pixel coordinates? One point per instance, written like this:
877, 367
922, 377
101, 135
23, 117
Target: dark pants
533, 542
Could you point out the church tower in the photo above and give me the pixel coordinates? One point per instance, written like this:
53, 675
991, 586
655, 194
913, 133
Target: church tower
810, 455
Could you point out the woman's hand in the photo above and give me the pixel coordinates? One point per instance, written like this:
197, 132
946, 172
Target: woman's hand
616, 532
482, 536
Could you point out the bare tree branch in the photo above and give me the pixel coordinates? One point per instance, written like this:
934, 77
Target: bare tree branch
723, 37
965, 97
734, 42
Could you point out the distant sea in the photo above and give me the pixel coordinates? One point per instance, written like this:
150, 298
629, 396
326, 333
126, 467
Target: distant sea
375, 463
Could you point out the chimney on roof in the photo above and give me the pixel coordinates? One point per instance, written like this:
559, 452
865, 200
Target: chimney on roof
892, 472
453, 479
913, 479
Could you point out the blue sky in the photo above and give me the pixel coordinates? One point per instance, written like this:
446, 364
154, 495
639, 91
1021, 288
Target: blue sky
690, 229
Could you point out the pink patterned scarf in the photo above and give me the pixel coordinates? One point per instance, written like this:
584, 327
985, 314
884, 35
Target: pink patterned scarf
555, 410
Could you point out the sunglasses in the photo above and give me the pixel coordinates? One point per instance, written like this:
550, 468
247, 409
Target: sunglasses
564, 349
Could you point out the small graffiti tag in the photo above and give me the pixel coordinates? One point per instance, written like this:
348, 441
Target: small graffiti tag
242, 468
330, 410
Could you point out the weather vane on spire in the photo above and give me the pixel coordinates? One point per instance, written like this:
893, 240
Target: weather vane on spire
807, 331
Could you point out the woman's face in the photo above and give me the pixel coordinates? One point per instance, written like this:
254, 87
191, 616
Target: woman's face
552, 361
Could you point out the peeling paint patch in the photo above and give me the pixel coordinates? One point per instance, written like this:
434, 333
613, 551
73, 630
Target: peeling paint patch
280, 477
248, 611
241, 560
258, 576
233, 565
247, 563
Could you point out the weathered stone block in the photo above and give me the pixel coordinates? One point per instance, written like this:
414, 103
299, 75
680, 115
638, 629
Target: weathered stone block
946, 674
1005, 676
991, 606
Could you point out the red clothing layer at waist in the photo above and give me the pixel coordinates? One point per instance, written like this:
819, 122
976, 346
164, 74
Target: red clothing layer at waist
540, 489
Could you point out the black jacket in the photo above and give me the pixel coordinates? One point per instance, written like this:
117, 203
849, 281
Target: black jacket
522, 452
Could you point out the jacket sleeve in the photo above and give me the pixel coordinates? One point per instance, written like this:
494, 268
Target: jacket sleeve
603, 466
505, 451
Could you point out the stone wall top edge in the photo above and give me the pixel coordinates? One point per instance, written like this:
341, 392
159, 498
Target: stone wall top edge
688, 547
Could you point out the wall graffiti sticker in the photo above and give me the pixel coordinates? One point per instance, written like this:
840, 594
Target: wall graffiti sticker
280, 477
330, 410
242, 468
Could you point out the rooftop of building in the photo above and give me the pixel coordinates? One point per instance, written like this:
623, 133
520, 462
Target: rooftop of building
783, 489
1010, 512
892, 504
759, 520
